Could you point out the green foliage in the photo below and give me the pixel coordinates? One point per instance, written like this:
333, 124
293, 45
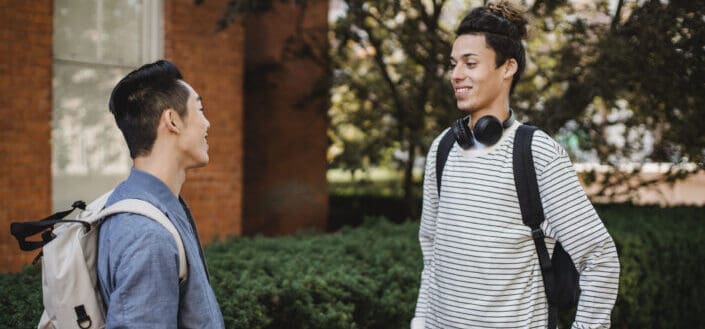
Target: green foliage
368, 277
661, 256
374, 182
22, 298
614, 84
390, 91
633, 73
361, 278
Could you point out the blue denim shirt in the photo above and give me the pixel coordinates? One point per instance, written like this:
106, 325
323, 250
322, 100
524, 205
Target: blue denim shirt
138, 264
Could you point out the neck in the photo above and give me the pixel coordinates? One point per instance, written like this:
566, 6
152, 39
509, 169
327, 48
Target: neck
498, 109
167, 171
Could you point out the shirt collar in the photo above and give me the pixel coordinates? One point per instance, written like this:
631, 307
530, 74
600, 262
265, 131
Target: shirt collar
145, 186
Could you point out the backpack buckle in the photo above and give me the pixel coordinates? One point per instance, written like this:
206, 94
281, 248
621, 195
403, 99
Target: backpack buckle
82, 318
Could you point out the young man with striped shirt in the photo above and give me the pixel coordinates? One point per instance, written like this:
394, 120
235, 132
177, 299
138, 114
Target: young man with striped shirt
481, 268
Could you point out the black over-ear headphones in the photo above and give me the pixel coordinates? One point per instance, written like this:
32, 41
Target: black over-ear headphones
487, 130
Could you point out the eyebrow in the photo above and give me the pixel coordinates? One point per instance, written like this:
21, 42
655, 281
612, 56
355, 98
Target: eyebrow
198, 98
463, 56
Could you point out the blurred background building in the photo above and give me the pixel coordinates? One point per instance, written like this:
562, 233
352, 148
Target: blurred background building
60, 59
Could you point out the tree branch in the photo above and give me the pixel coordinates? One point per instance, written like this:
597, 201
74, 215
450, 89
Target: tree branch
617, 16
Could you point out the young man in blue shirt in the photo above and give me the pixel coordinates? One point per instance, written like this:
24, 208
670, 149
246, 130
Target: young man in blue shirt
162, 120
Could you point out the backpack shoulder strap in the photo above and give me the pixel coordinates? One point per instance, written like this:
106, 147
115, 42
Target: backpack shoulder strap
532, 210
525, 177
147, 209
444, 147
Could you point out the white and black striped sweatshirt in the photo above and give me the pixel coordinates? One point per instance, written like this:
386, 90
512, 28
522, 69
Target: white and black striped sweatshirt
481, 269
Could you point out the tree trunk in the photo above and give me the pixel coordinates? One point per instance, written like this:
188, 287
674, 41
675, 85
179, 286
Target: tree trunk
409, 198
617, 16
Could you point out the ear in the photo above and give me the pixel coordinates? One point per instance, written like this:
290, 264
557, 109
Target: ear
510, 68
171, 120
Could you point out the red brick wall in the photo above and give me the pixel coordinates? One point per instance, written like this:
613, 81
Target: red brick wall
25, 108
286, 139
285, 128
212, 62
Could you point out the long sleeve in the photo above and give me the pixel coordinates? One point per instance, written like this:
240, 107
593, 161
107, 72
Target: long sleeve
144, 283
427, 234
573, 221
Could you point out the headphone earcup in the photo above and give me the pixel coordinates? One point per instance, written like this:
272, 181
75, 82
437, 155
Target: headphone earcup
462, 133
488, 130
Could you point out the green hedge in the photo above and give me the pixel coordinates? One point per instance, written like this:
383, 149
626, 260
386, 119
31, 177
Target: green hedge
367, 277
662, 266
356, 278
22, 298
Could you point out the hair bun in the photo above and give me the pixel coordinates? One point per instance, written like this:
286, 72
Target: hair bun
511, 13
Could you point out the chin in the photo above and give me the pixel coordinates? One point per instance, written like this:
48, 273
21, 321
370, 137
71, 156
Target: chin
199, 163
469, 107
204, 162
464, 107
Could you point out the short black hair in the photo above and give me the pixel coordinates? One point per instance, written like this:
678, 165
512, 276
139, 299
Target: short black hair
504, 27
138, 100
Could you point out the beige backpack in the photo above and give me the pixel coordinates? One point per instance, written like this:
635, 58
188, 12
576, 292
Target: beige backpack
70, 290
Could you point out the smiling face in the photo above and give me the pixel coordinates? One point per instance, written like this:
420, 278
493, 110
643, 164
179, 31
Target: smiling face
480, 86
192, 143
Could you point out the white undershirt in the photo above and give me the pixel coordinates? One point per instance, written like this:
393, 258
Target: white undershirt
479, 149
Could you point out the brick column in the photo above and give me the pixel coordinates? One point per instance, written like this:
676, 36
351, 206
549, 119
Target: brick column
212, 62
286, 100
25, 131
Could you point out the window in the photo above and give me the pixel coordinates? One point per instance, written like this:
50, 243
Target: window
96, 42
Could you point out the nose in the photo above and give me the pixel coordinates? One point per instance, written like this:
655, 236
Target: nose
457, 74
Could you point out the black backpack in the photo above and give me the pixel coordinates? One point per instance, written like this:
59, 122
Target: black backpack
560, 278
